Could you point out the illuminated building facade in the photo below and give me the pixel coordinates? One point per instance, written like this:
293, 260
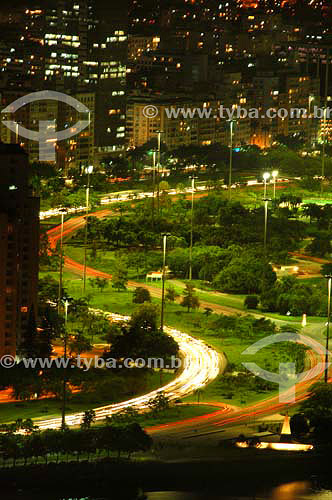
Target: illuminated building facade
181, 131
87, 52
78, 47
138, 45
282, 91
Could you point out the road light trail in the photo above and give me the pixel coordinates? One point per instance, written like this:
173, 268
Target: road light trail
201, 365
214, 423
206, 423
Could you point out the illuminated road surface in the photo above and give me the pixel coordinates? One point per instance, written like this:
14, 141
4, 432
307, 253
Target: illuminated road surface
123, 196
195, 374
201, 364
215, 423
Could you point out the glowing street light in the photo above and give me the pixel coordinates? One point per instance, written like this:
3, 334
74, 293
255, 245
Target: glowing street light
275, 174
266, 177
88, 170
165, 235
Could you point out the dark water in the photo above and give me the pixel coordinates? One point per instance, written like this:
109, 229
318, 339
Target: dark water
299, 490
289, 491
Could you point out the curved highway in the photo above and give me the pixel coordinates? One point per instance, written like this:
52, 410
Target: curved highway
202, 365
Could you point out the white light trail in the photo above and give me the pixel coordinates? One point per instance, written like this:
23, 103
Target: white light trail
201, 364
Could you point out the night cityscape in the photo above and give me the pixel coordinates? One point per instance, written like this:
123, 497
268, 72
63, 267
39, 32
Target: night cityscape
165, 249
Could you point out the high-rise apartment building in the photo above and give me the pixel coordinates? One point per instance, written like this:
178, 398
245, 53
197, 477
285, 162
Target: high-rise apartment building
19, 243
179, 130
78, 47
86, 51
286, 92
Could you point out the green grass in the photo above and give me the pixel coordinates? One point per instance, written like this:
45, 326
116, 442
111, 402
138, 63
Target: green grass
193, 323
176, 316
175, 413
49, 408
107, 260
319, 200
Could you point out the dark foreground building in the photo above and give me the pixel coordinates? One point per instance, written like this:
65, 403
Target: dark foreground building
19, 244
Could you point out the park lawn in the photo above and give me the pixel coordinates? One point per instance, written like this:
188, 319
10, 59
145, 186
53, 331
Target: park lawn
233, 348
107, 262
319, 200
176, 316
172, 414
175, 413
51, 408
297, 320
123, 300
223, 299
212, 296
212, 393
193, 323
315, 281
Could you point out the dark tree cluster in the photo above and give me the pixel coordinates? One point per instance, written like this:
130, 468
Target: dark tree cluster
142, 338
290, 295
58, 445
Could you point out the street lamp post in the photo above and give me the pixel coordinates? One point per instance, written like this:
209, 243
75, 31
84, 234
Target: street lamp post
61, 261
88, 171
64, 386
266, 176
329, 280
266, 202
274, 176
159, 132
231, 128
324, 122
165, 235
154, 157
324, 134
191, 227
311, 99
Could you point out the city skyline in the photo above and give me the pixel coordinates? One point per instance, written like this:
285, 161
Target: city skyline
165, 249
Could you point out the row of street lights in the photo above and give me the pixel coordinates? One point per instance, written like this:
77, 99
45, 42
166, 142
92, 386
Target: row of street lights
266, 177
88, 170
